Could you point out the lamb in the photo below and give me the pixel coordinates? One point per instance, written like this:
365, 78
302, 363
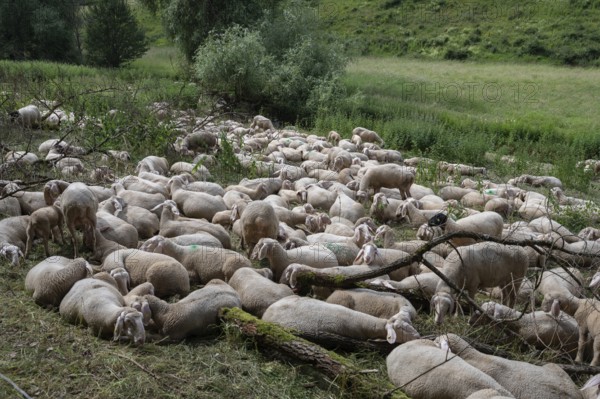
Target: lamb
173, 225
334, 137
258, 221
99, 305
201, 262
51, 279
523, 380
314, 317
79, 207
257, 292
431, 375
28, 116
485, 264
388, 175
194, 315
489, 223
167, 275
43, 223
317, 256
541, 329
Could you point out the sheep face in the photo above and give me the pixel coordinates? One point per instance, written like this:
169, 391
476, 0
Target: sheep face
367, 254
399, 330
442, 304
130, 324
13, 253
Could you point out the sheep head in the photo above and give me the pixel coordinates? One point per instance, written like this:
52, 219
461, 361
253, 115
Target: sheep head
442, 303
263, 248
438, 220
130, 324
362, 234
13, 253
367, 254
400, 330
381, 230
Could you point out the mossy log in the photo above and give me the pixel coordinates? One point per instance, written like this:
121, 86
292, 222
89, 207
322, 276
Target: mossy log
269, 337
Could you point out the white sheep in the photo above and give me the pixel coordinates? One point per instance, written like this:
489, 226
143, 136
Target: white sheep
559, 283
523, 380
149, 201
486, 264
116, 229
153, 164
257, 292
50, 280
79, 207
99, 305
314, 255
542, 329
44, 223
370, 255
194, 204
203, 263
145, 222
314, 317
167, 275
28, 116
424, 371
367, 135
483, 223
194, 315
346, 207
258, 221
407, 211
259, 122
388, 175
379, 304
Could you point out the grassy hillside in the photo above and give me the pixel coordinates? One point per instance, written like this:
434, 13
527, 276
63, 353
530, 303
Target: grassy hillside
562, 31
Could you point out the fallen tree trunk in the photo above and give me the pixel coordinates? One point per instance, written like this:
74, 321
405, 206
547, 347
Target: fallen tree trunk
353, 382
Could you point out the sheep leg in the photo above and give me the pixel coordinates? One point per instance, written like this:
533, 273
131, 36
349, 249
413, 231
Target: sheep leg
57, 235
71, 228
583, 333
596, 359
30, 238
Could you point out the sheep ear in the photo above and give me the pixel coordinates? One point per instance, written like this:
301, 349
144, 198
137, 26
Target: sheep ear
264, 250
257, 251
360, 255
146, 312
119, 326
391, 333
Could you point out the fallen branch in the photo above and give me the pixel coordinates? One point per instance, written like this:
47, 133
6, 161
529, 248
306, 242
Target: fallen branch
268, 336
15, 386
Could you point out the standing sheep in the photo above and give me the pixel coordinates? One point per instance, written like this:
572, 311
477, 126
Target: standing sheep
43, 223
258, 221
28, 116
79, 207
389, 176
257, 292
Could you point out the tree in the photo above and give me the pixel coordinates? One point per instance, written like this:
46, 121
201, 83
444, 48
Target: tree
113, 36
188, 22
39, 29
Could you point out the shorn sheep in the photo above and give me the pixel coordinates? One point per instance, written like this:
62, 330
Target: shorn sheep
314, 317
389, 176
100, 306
481, 265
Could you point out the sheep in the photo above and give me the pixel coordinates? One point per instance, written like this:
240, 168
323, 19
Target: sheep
388, 175
485, 264
51, 279
542, 329
367, 135
559, 283
194, 315
196, 171
116, 229
145, 222
379, 304
199, 140
523, 380
346, 207
314, 317
589, 234
537, 181
137, 183
545, 225
258, 221
259, 122
173, 225
13, 237
423, 371
257, 292
167, 275
317, 196
257, 193
149, 201
333, 137
483, 223
384, 208
370, 255
154, 164
79, 207
199, 238
202, 263
43, 223
317, 256
194, 204
205, 187
28, 116
415, 217
99, 305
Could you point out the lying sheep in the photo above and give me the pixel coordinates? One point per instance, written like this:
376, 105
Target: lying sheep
483, 223
13, 237
167, 275
379, 304
370, 255
541, 382
424, 371
51, 279
194, 315
42, 224
388, 175
203, 263
314, 317
257, 292
486, 264
100, 306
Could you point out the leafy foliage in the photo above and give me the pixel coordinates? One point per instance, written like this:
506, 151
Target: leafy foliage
113, 37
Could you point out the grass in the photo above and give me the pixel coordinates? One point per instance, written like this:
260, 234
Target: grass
558, 32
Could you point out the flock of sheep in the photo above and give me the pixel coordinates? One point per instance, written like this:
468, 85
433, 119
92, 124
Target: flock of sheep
159, 233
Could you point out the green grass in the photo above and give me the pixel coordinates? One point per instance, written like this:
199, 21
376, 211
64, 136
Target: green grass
562, 32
